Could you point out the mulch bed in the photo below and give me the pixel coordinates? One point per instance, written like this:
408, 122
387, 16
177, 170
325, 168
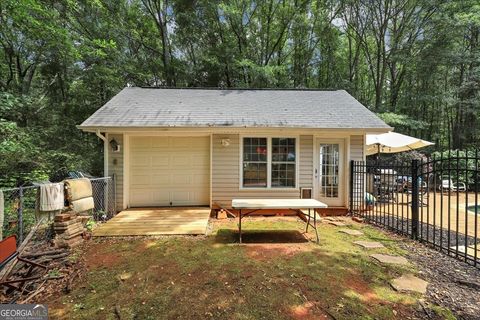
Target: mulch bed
453, 284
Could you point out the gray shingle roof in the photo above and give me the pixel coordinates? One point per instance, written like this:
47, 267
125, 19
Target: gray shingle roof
155, 107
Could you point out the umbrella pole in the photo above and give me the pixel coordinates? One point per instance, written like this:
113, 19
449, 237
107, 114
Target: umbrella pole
378, 154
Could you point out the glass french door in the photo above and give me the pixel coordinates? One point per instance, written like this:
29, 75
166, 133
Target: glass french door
329, 173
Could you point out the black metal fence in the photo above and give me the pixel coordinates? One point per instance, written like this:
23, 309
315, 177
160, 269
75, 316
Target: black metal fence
435, 201
21, 206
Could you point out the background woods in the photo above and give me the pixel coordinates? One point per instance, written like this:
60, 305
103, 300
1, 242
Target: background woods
415, 63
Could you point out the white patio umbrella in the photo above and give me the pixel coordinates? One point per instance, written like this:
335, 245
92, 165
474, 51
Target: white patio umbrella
393, 142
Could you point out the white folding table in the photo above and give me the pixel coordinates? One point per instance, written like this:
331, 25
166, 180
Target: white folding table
253, 205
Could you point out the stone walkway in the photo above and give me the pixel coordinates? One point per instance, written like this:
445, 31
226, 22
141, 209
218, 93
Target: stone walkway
387, 259
369, 244
352, 232
409, 283
405, 283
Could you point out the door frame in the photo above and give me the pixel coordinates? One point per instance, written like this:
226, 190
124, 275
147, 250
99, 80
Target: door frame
343, 149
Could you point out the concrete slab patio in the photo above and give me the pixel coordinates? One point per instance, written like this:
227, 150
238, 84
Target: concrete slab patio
156, 221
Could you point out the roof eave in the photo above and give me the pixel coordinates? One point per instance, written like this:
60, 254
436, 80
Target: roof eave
87, 128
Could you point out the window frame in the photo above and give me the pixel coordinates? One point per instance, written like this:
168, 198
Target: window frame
269, 161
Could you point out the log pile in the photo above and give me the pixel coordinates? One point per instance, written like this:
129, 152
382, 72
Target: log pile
68, 229
54, 269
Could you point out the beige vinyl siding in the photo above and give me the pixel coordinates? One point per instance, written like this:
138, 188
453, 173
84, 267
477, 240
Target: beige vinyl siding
226, 171
357, 154
115, 167
306, 161
356, 148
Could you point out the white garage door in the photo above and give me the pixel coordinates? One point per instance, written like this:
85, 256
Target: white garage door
169, 171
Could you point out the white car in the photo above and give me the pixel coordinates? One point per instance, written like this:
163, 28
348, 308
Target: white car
448, 184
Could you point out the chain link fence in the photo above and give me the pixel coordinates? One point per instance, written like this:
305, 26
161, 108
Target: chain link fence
21, 206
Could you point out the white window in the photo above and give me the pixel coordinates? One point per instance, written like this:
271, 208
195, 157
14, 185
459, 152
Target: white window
255, 155
269, 162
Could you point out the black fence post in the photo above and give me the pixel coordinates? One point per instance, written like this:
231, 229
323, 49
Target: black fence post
20, 215
415, 199
352, 173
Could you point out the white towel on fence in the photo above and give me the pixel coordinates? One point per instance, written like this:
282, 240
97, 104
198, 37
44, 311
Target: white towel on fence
51, 197
2, 214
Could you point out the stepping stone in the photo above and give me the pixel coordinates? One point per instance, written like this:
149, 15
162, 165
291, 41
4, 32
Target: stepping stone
409, 283
357, 219
352, 232
369, 244
330, 219
385, 258
337, 223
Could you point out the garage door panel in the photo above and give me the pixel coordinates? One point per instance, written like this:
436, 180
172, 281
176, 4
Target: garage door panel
183, 180
140, 196
200, 180
181, 196
160, 197
159, 161
140, 159
160, 180
179, 161
140, 143
140, 180
169, 171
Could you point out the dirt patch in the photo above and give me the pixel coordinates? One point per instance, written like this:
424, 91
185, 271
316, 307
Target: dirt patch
308, 311
95, 258
361, 287
268, 251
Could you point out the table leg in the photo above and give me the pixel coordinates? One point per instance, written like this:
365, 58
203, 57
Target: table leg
315, 224
240, 225
308, 221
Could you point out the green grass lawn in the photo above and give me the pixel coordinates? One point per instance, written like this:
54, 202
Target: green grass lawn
214, 278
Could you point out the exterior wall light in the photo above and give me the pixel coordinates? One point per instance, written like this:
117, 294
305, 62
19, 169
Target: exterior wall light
114, 145
225, 142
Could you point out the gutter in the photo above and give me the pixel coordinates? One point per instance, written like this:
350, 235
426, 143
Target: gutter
101, 136
120, 129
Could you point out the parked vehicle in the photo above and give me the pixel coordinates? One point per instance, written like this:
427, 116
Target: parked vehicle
448, 184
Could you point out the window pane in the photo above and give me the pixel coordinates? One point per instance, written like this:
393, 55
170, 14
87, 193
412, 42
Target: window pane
254, 174
283, 175
255, 149
283, 149
255, 162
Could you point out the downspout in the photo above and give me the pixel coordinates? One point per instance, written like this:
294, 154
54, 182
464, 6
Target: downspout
105, 173
105, 151
100, 135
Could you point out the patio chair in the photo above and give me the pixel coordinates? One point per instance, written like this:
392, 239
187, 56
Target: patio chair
386, 186
422, 191
8, 252
448, 184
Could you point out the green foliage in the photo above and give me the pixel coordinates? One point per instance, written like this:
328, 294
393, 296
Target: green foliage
90, 224
402, 120
415, 63
459, 165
